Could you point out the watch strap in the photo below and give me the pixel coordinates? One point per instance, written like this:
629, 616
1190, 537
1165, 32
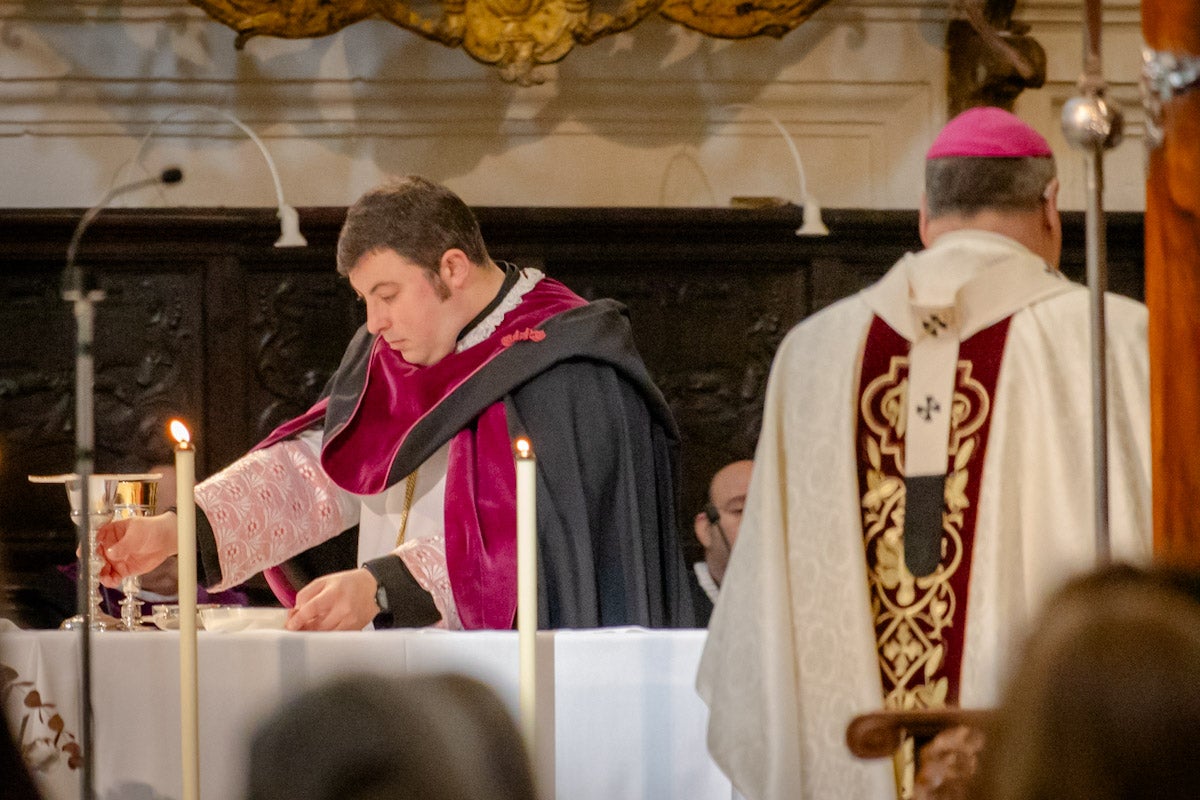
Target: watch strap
404, 602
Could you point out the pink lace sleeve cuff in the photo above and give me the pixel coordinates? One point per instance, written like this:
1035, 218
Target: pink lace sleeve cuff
426, 560
268, 506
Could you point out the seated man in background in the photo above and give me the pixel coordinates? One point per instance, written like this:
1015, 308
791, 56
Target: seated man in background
408, 455
717, 528
923, 479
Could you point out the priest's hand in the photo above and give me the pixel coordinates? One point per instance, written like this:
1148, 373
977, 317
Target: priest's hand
341, 601
135, 546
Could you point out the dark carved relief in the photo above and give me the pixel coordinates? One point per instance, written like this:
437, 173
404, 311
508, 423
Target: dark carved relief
148, 353
707, 335
146, 342
300, 326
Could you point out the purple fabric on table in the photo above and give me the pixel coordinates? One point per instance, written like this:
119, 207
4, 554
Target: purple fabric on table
110, 599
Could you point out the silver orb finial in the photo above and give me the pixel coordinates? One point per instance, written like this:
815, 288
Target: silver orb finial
1090, 122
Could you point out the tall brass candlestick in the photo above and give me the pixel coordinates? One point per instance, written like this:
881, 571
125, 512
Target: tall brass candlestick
185, 503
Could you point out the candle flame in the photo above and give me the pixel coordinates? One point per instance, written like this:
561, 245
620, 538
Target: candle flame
179, 432
524, 448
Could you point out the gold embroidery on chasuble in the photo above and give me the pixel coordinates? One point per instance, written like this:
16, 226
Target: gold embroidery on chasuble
920, 622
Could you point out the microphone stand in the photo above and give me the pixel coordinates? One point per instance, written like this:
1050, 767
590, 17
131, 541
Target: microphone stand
78, 291
83, 300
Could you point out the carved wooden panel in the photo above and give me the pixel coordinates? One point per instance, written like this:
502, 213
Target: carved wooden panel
148, 353
298, 326
207, 320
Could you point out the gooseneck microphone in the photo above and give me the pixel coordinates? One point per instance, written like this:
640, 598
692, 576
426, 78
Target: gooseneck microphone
83, 297
73, 279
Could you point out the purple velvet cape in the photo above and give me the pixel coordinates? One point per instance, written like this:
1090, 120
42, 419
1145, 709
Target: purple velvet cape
375, 436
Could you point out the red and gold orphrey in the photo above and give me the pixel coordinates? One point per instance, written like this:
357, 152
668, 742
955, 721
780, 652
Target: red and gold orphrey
920, 623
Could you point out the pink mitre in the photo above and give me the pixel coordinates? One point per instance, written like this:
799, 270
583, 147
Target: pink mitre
988, 132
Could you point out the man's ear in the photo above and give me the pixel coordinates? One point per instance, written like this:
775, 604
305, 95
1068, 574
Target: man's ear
1050, 206
455, 268
923, 220
702, 529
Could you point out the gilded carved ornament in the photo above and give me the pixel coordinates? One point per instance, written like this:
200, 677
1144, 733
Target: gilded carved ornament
514, 35
991, 57
740, 19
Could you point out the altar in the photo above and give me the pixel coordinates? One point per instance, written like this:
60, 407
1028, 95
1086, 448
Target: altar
618, 716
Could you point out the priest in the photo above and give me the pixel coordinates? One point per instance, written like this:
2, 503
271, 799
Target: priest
402, 475
922, 481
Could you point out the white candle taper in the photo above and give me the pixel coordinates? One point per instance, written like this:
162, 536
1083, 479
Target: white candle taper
189, 693
527, 598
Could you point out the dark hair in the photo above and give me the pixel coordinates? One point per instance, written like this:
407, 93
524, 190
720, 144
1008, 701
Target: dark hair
968, 185
363, 737
1103, 704
418, 219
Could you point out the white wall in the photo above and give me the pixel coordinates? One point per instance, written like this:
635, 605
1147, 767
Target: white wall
635, 119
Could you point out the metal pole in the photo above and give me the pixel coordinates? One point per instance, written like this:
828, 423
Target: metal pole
78, 291
1093, 125
83, 301
1097, 278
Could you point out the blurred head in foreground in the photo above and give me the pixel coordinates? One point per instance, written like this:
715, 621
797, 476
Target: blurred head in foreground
1104, 704
363, 737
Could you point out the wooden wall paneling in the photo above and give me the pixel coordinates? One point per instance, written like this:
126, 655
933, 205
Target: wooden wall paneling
148, 366
297, 328
208, 320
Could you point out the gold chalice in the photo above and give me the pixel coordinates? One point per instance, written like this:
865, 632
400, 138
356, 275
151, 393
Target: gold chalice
102, 502
136, 496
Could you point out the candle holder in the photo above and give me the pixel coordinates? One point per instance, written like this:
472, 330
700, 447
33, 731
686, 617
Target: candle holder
135, 497
102, 496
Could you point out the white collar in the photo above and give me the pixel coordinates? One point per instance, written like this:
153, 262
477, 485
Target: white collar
526, 280
705, 579
970, 278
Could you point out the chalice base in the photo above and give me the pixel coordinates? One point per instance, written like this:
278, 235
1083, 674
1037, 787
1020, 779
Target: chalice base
100, 622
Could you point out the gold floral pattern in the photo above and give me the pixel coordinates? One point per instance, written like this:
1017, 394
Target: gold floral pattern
912, 615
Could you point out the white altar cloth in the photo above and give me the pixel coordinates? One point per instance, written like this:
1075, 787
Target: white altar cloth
620, 717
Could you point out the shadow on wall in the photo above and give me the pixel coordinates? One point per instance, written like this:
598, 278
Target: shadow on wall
377, 94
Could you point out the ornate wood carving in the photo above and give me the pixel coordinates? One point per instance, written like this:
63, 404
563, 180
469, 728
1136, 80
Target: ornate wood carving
300, 325
295, 19
992, 59
517, 35
514, 35
740, 19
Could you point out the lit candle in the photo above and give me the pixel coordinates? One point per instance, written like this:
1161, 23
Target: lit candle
527, 612
185, 514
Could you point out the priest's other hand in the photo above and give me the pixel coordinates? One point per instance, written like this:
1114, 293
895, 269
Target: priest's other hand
135, 546
340, 601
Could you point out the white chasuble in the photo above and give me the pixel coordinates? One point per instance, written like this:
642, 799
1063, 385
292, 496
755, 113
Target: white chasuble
820, 618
